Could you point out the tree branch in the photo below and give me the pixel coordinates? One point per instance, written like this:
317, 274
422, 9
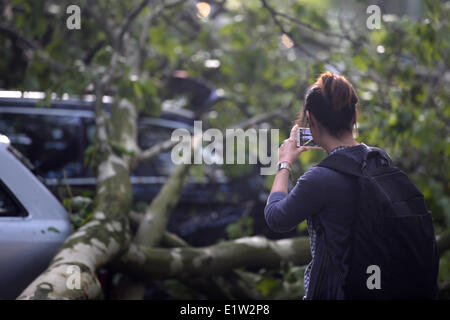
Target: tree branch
101, 132
274, 14
283, 30
237, 287
171, 240
186, 262
301, 23
35, 47
153, 151
150, 153
153, 225
102, 238
126, 24
98, 14
181, 263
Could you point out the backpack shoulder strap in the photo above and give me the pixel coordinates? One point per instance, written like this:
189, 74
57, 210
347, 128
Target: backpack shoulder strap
379, 153
342, 163
345, 164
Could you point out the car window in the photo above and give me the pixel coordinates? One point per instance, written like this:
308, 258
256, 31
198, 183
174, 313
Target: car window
52, 143
9, 205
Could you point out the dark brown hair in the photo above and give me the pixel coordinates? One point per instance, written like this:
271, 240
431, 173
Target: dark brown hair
332, 100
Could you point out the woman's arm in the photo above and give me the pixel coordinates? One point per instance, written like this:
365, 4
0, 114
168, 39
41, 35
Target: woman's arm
284, 211
287, 153
280, 184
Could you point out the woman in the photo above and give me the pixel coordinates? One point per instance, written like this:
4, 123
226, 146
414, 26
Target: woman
330, 110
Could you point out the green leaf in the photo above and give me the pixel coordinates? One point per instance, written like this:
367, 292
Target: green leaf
266, 285
289, 82
53, 229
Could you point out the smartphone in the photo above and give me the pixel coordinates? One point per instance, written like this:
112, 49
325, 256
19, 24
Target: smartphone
305, 138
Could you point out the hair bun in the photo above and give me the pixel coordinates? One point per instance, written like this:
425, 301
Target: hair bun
337, 90
332, 101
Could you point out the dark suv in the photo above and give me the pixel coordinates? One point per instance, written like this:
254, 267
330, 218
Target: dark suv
55, 139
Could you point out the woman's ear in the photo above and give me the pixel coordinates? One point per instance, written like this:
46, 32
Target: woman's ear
311, 121
356, 116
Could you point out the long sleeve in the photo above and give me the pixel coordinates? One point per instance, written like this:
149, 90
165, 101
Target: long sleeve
284, 212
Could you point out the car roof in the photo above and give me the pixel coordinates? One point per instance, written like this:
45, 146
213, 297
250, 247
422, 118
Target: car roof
83, 106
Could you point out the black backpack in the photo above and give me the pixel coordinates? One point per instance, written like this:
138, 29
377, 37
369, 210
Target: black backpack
392, 233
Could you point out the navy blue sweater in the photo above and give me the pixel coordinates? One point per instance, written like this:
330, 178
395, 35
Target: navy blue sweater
318, 190
326, 195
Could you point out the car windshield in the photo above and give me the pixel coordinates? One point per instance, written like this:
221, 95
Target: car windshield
52, 143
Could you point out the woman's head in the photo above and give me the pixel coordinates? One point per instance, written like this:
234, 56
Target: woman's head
331, 100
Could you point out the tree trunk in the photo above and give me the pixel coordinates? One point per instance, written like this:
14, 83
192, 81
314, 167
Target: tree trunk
107, 234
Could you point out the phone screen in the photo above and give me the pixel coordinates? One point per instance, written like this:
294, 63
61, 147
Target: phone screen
305, 138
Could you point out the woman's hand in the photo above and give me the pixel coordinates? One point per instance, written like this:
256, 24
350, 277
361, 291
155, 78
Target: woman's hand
288, 151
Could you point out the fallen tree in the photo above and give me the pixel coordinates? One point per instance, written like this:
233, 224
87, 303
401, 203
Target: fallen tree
151, 263
183, 262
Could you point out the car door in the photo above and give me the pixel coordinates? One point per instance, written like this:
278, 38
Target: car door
33, 224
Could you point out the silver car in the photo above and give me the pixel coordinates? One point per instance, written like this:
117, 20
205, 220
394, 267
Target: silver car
33, 223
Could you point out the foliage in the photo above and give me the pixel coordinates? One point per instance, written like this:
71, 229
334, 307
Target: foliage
80, 209
243, 227
285, 283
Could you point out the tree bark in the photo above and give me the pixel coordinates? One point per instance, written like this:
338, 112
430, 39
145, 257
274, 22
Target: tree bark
107, 234
152, 227
153, 263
